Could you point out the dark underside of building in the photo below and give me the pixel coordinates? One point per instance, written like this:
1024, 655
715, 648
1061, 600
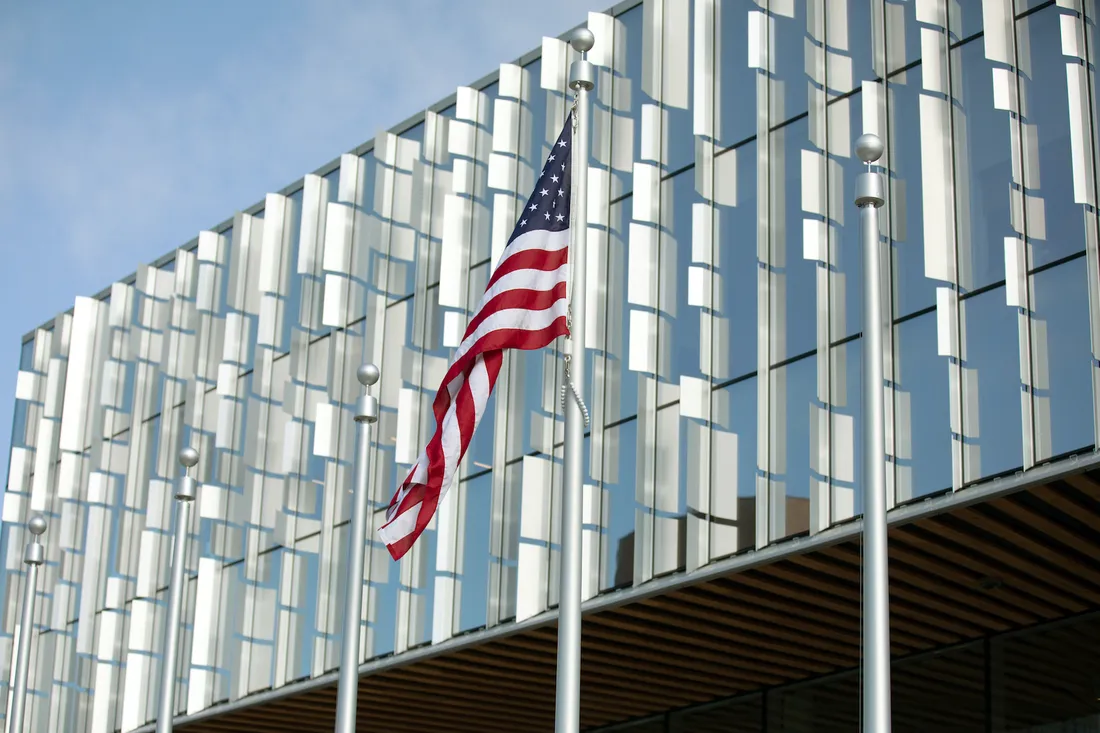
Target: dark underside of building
995, 626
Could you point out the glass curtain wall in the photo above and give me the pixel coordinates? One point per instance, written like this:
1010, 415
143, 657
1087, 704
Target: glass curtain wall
723, 343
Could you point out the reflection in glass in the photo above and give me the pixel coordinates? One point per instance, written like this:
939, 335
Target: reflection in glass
793, 278
991, 390
844, 426
735, 268
903, 36
664, 497
472, 552
1052, 212
786, 509
730, 505
626, 137
735, 82
664, 120
786, 39
983, 166
619, 481
683, 298
919, 436
1061, 360
504, 547
913, 290
844, 261
620, 383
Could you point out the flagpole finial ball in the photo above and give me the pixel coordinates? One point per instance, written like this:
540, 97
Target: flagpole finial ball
367, 375
582, 40
37, 525
869, 148
189, 457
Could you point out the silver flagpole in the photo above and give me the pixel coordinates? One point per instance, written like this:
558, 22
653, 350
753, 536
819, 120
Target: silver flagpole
366, 414
185, 494
876, 582
582, 79
33, 557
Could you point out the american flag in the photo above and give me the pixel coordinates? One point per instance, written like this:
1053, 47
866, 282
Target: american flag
524, 307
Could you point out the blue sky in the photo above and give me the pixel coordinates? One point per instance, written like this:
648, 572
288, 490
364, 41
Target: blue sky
127, 127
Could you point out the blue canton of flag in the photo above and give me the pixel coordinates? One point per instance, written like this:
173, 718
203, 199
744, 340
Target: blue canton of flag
548, 207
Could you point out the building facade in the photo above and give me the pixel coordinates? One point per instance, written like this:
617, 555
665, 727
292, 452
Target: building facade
723, 343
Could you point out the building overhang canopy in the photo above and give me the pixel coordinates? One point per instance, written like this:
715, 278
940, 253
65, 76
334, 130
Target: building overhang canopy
1005, 555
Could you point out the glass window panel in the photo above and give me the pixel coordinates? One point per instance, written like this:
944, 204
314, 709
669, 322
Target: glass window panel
26, 355
20, 428
794, 278
506, 554
479, 456
1022, 6
400, 278
831, 705
677, 80
480, 225
983, 168
680, 298
845, 431
675, 451
620, 475
620, 386
1044, 680
471, 595
991, 386
223, 271
941, 692
846, 268
733, 468
735, 80
422, 589
557, 499
966, 19
1055, 222
299, 615
443, 183
384, 585
922, 411
848, 37
793, 393
310, 480
532, 142
245, 271
743, 715
790, 86
913, 290
627, 85
1062, 362
903, 36
230, 625
261, 594
736, 278
291, 303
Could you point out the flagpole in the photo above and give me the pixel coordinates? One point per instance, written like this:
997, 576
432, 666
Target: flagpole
366, 414
870, 195
185, 494
582, 79
33, 556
